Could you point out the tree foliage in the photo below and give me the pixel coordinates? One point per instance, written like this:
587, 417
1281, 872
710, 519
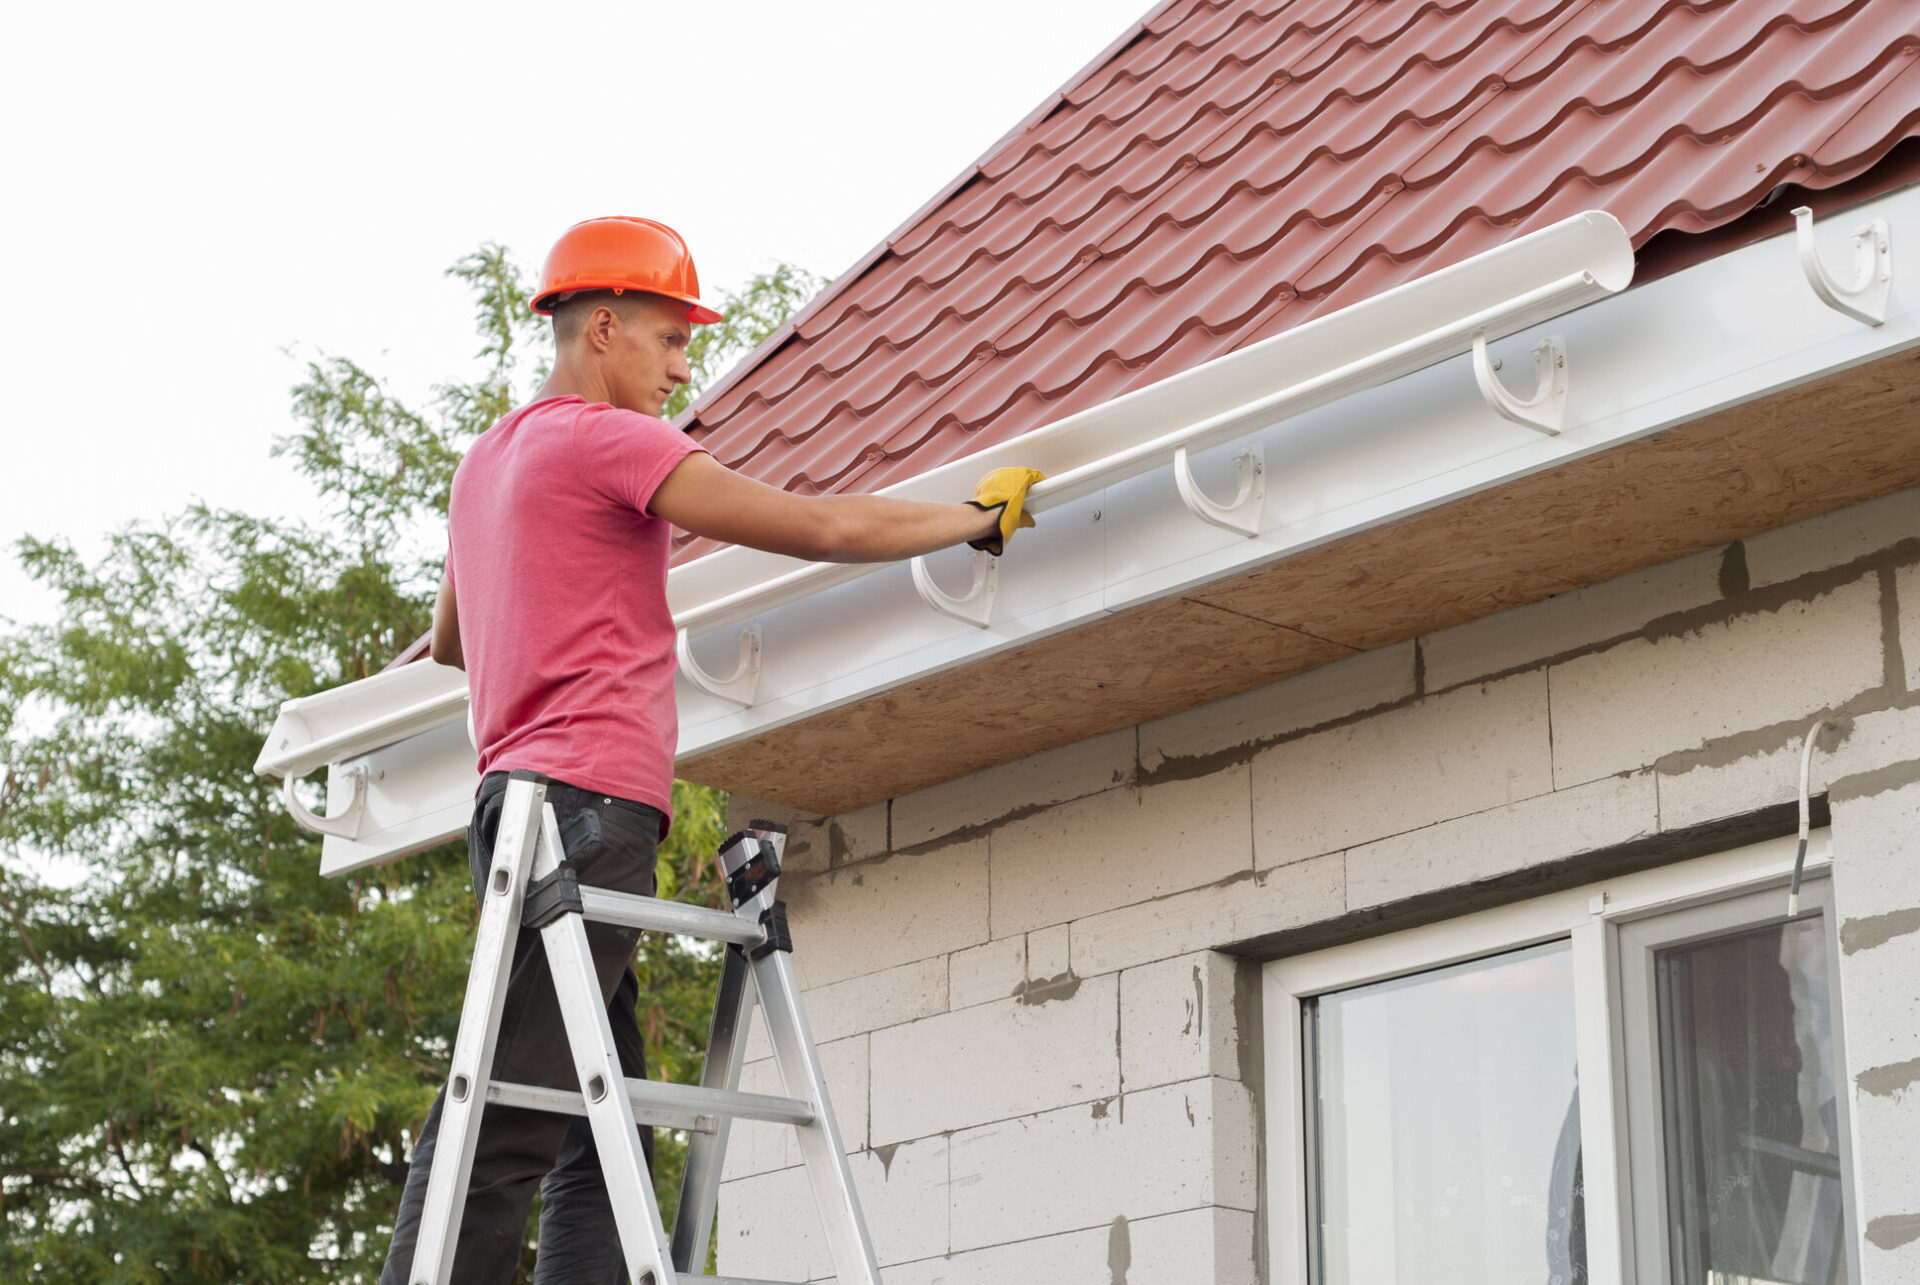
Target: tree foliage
212, 1061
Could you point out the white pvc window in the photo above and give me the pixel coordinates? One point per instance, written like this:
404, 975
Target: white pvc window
1444, 1117
1632, 1082
1735, 1112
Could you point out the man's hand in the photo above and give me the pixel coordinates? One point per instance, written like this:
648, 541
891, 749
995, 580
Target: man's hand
1003, 493
706, 497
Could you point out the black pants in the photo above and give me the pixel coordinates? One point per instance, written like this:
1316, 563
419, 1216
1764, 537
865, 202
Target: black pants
519, 1149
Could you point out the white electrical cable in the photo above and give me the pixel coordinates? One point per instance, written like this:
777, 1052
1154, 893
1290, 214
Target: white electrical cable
1806, 813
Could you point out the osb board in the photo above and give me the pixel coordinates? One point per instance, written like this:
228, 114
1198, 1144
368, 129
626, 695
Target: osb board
1131, 666
1801, 453
1812, 449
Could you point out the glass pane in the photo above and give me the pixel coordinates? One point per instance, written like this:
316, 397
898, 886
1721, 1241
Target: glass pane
1746, 1070
1447, 1131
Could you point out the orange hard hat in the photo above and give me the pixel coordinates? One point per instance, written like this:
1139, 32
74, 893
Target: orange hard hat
620, 253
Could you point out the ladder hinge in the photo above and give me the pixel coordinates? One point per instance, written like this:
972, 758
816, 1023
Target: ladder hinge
751, 861
779, 937
554, 895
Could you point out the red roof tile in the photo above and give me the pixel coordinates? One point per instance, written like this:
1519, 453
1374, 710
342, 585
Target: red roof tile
1231, 169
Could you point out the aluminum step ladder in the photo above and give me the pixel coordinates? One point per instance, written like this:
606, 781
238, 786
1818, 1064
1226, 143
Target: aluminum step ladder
530, 883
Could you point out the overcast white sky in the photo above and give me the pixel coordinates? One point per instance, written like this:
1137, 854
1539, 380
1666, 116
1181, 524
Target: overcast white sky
201, 196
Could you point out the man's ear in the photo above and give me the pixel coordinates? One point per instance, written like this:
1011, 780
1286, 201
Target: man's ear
602, 323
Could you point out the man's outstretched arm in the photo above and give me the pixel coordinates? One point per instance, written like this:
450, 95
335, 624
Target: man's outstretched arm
709, 499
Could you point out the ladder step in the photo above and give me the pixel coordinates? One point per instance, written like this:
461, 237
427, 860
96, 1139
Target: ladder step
530, 884
655, 915
670, 1106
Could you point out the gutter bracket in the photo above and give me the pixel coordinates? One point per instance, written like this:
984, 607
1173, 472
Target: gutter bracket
1546, 410
344, 826
1866, 298
739, 686
975, 607
1241, 514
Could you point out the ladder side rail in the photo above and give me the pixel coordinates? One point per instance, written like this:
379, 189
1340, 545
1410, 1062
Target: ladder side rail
636, 1213
465, 1097
821, 1147
706, 1152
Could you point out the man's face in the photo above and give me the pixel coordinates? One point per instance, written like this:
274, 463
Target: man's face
648, 358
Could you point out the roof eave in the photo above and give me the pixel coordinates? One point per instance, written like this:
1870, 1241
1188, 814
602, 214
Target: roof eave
1407, 484
1527, 281
1389, 512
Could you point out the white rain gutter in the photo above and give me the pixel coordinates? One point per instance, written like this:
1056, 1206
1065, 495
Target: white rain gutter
1494, 294
401, 767
1350, 421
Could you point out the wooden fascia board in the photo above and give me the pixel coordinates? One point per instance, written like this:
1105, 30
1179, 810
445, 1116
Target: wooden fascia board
1819, 446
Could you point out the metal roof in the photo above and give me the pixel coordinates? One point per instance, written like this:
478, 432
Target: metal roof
1229, 170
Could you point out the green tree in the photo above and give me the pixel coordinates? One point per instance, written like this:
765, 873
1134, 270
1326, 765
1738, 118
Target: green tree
212, 1060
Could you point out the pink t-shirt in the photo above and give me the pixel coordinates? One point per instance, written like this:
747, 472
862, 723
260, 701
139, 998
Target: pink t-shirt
560, 577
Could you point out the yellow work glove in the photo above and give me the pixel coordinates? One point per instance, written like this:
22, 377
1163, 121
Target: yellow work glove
1004, 489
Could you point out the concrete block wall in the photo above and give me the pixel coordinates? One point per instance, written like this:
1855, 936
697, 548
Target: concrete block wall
1037, 987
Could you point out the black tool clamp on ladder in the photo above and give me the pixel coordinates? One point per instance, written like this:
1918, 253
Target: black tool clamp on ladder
529, 883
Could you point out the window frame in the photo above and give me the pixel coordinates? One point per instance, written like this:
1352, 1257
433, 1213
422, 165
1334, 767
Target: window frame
1590, 918
1640, 938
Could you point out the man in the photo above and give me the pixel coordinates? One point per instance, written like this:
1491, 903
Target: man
554, 602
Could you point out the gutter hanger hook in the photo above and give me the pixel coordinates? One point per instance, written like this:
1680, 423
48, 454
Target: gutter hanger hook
1866, 298
739, 686
344, 826
976, 605
1241, 514
1546, 410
